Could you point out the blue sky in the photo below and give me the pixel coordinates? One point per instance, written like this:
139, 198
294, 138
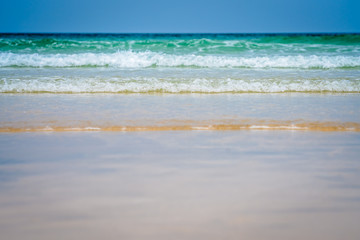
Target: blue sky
242, 16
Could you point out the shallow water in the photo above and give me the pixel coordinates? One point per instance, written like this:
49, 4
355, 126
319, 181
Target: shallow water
118, 112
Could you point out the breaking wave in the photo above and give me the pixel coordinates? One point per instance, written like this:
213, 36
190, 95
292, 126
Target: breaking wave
130, 59
174, 85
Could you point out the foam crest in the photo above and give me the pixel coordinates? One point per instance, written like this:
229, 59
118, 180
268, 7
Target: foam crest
173, 85
130, 59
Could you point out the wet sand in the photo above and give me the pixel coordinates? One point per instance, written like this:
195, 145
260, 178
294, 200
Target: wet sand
187, 125
180, 166
180, 185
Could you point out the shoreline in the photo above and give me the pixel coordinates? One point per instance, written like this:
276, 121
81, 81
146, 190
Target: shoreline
176, 112
187, 125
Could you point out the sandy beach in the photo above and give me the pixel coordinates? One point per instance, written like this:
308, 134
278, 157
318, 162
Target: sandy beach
189, 184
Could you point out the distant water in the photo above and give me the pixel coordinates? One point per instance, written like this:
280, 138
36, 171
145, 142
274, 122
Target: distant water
179, 63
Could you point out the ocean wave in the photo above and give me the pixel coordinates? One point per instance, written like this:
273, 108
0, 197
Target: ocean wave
176, 85
170, 43
130, 59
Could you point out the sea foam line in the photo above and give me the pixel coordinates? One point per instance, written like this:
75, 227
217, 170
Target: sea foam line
173, 85
130, 59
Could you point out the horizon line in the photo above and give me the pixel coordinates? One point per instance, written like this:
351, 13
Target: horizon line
199, 33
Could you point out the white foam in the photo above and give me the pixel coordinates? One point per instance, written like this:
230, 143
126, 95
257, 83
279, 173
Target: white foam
292, 127
47, 129
83, 129
179, 85
202, 128
93, 128
130, 59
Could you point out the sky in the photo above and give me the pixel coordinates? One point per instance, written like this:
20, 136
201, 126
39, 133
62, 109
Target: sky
180, 16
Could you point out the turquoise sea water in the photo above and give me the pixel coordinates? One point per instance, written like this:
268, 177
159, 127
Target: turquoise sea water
179, 63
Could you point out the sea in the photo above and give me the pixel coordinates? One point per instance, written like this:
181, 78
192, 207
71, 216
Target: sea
180, 63
167, 72
180, 136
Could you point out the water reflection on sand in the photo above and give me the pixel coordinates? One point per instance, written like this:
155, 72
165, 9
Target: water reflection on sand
180, 185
